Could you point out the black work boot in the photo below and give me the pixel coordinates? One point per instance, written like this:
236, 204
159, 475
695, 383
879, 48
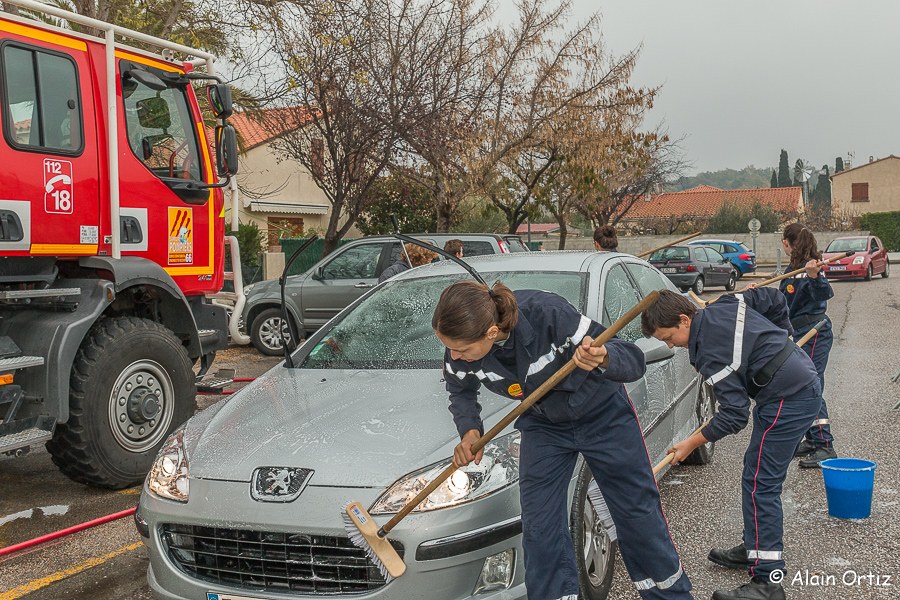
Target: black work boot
735, 558
812, 461
755, 590
805, 448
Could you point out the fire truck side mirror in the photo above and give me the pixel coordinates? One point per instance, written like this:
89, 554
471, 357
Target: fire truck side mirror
146, 77
219, 96
226, 151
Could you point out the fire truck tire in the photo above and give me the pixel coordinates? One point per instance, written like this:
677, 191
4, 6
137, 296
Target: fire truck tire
131, 386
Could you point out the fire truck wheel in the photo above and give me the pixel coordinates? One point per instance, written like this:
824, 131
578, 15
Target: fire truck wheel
131, 386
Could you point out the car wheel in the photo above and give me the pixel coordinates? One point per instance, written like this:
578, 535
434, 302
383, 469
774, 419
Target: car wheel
869, 273
595, 553
264, 333
131, 386
729, 285
737, 272
698, 285
706, 407
887, 269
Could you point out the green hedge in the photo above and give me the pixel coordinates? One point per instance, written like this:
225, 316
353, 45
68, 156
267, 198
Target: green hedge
310, 256
885, 225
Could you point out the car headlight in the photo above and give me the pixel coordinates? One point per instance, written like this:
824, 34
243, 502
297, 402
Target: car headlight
247, 288
168, 477
498, 469
859, 260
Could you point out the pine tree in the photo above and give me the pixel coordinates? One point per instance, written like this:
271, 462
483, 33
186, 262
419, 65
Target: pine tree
838, 164
784, 170
774, 179
822, 194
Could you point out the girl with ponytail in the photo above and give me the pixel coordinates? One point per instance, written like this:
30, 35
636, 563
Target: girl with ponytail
807, 295
511, 343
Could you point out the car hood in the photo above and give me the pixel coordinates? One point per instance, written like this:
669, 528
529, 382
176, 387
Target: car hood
354, 428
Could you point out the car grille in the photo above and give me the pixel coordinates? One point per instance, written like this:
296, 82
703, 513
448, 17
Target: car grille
272, 561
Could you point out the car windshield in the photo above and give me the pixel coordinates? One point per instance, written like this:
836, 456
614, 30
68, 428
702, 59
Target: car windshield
391, 328
671, 254
853, 245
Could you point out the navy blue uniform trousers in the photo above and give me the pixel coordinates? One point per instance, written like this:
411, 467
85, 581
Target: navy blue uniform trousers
818, 349
609, 439
778, 428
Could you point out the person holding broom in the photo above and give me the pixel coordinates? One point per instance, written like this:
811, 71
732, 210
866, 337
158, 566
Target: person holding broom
511, 343
740, 346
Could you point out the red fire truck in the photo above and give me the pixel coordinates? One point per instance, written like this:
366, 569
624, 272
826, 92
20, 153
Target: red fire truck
111, 235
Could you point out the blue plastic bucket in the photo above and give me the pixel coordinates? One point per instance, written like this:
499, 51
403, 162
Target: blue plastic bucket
848, 485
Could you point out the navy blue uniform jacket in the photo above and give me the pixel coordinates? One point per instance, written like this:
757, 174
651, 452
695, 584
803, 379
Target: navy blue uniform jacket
805, 295
545, 337
729, 351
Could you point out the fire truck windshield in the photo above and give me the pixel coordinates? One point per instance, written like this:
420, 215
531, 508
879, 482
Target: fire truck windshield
161, 131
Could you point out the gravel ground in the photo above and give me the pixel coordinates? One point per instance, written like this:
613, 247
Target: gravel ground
703, 503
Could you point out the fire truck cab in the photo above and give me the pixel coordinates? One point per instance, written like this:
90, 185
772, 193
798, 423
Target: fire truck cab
111, 235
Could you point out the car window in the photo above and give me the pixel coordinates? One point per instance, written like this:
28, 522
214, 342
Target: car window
671, 254
391, 328
41, 100
515, 244
714, 257
477, 248
700, 254
874, 245
714, 246
743, 247
618, 298
357, 262
729, 249
853, 245
648, 278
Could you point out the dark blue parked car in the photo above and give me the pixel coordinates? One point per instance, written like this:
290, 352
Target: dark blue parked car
742, 258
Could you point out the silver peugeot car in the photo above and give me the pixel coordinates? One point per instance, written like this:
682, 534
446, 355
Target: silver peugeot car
244, 501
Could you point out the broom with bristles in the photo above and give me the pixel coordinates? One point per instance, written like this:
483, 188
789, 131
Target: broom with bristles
361, 528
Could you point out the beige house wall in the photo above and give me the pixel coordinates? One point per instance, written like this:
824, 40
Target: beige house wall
883, 177
285, 181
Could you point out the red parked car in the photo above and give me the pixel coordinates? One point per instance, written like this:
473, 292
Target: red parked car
869, 258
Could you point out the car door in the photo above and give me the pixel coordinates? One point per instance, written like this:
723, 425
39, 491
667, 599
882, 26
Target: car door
339, 281
719, 266
703, 266
878, 257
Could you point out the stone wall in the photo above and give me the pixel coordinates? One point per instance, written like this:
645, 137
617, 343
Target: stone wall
768, 245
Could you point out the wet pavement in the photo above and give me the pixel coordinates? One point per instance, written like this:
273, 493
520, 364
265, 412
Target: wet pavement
702, 503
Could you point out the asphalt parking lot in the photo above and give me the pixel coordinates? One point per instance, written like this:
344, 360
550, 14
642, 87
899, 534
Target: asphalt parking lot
827, 558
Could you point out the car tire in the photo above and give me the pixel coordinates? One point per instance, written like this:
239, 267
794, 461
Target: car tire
706, 407
737, 272
698, 286
887, 269
110, 439
868, 276
729, 285
264, 332
595, 553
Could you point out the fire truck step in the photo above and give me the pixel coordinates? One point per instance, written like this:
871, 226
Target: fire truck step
46, 293
20, 362
212, 386
25, 432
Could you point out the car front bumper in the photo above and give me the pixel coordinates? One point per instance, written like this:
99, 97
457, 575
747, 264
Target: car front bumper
850, 271
454, 562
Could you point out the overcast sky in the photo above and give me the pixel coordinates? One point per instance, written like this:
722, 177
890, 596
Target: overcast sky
742, 80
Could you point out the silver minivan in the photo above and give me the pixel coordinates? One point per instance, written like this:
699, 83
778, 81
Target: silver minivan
314, 297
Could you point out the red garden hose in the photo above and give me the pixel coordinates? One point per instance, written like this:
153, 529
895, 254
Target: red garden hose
66, 531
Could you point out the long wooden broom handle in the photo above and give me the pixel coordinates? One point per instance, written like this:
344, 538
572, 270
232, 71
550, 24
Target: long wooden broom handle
693, 235
523, 406
800, 342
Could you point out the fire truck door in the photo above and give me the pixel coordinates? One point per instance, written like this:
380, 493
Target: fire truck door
49, 155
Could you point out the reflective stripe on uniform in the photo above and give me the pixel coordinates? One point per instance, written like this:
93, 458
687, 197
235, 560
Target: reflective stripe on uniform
479, 374
820, 422
583, 325
764, 555
569, 597
737, 351
542, 361
665, 584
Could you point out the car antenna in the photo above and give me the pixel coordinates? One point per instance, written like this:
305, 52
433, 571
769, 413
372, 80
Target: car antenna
288, 360
435, 249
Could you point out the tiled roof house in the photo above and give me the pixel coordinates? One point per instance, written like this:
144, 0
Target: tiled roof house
870, 187
703, 201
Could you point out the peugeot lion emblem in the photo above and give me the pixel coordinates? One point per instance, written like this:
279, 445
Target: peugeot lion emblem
279, 484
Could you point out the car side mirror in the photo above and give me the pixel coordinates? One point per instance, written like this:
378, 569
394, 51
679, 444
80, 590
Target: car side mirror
226, 151
317, 274
654, 350
726, 259
219, 96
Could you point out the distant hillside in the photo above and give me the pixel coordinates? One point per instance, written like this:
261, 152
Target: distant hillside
727, 179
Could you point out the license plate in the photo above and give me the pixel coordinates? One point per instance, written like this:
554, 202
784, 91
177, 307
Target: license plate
838, 269
669, 270
223, 596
